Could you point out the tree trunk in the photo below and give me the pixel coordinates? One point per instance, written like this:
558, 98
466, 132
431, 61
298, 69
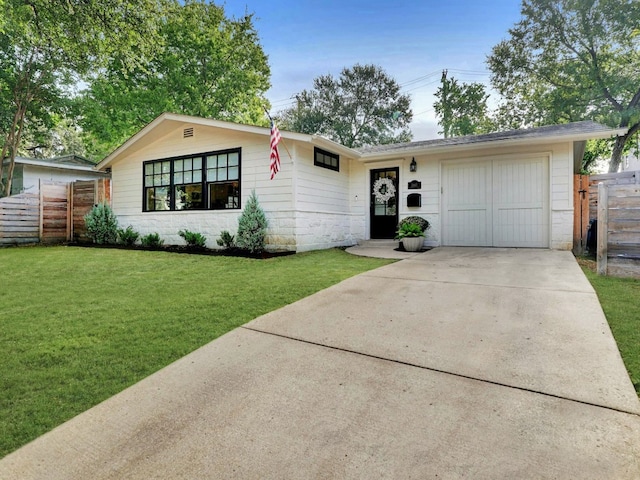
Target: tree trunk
616, 154
11, 145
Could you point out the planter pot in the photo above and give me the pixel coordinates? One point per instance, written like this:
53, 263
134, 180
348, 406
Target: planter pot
413, 244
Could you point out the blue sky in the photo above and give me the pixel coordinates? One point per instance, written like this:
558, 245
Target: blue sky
412, 40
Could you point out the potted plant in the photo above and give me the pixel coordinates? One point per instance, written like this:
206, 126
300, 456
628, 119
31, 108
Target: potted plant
411, 233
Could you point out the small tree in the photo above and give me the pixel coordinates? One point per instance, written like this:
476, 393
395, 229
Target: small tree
363, 106
252, 226
102, 224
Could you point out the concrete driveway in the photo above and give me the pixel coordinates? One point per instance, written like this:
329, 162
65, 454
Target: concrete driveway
455, 363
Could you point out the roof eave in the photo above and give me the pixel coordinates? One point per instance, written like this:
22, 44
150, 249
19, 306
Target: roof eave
60, 166
335, 147
438, 149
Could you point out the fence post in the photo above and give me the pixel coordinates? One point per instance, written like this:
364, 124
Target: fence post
69, 211
603, 227
41, 207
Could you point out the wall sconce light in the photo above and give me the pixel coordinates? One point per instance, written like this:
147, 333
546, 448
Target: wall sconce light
413, 166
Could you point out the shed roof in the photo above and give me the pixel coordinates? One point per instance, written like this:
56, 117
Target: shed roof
67, 162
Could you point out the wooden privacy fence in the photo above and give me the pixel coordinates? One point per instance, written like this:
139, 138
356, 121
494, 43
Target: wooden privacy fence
84, 195
585, 202
55, 215
20, 219
618, 251
622, 178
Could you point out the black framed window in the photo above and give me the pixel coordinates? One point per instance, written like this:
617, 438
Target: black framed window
204, 181
322, 158
187, 183
223, 180
157, 185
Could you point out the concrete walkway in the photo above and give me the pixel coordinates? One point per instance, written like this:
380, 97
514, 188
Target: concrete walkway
454, 363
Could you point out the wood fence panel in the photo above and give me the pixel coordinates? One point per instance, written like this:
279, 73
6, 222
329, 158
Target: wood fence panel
86, 194
619, 221
54, 215
54, 205
20, 219
622, 178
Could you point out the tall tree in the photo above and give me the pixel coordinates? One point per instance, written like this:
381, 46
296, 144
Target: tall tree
568, 60
210, 66
462, 108
46, 44
363, 106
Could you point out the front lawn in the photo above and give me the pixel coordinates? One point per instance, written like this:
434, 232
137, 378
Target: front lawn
620, 300
78, 325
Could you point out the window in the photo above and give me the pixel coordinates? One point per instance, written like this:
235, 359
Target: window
157, 184
187, 181
223, 170
204, 181
322, 158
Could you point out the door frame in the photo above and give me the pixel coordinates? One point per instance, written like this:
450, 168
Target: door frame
370, 172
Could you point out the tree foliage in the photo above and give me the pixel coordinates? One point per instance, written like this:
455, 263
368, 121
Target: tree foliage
570, 60
462, 108
45, 45
363, 106
210, 66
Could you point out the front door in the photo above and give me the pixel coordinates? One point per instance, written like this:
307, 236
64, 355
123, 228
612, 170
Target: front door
384, 202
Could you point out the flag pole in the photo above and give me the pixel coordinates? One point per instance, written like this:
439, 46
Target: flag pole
281, 139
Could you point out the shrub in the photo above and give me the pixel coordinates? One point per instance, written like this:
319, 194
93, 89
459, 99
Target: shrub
409, 230
128, 236
421, 222
193, 239
102, 224
226, 239
152, 240
252, 226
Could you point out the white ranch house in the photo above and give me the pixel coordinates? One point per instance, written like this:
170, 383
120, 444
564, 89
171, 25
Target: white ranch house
511, 189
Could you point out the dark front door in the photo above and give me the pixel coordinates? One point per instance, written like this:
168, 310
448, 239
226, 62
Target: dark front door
384, 202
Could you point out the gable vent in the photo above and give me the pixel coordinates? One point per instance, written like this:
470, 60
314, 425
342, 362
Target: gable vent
187, 132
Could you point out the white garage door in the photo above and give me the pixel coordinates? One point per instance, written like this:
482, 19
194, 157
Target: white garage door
500, 203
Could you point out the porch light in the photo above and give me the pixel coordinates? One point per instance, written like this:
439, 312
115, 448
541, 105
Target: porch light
413, 166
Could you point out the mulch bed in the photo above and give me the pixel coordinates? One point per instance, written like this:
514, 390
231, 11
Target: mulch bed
229, 252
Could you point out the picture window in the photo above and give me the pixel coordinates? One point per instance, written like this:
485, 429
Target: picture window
197, 182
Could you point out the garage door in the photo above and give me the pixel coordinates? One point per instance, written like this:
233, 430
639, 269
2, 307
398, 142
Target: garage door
500, 202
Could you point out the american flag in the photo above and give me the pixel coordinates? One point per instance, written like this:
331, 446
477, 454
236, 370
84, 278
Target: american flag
275, 156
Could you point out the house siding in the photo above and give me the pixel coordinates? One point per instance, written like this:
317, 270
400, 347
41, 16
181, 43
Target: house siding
323, 207
275, 196
429, 173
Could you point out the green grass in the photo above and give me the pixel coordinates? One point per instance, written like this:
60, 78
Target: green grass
80, 324
620, 300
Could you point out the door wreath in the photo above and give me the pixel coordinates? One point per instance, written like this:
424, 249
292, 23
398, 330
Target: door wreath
384, 189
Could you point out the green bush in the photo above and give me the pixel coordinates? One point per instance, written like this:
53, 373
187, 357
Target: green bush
102, 224
421, 222
128, 236
226, 240
193, 239
152, 240
252, 226
409, 230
